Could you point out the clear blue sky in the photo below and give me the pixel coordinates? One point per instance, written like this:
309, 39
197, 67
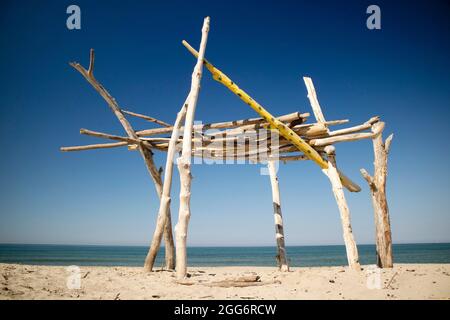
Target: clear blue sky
400, 72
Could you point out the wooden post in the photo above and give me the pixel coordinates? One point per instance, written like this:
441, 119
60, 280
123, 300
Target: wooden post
350, 244
333, 175
184, 162
145, 152
164, 206
279, 232
377, 185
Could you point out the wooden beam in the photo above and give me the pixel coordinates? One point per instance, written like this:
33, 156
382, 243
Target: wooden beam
109, 136
365, 126
227, 124
342, 138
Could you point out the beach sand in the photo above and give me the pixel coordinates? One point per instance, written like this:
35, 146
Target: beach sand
404, 281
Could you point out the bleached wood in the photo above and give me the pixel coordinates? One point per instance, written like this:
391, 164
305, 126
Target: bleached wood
292, 158
377, 185
312, 96
279, 231
342, 138
224, 125
365, 126
307, 129
145, 152
109, 136
133, 147
163, 213
245, 150
310, 131
94, 146
387, 143
368, 178
377, 127
184, 162
148, 118
149, 143
333, 176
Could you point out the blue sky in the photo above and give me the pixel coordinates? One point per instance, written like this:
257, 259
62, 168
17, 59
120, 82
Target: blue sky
400, 72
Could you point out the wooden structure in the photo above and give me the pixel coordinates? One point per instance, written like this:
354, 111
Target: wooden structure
266, 139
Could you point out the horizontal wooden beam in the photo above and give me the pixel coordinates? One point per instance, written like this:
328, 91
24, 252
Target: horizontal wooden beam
223, 125
94, 146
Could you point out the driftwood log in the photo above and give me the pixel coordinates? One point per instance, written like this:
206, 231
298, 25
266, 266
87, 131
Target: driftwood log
150, 119
279, 232
349, 240
333, 175
184, 162
377, 185
164, 206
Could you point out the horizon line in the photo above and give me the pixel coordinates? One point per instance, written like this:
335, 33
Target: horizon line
212, 246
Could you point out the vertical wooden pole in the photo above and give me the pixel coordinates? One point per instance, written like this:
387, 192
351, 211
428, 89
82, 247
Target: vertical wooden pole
184, 162
377, 185
164, 206
350, 244
279, 232
168, 235
169, 245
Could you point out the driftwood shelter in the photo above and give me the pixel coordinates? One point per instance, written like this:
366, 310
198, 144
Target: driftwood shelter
266, 139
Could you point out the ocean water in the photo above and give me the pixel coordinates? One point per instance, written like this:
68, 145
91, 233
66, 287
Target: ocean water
87, 255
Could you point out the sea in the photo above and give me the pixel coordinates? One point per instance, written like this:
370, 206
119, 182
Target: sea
299, 256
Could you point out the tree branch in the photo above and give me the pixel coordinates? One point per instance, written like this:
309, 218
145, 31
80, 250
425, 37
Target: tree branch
387, 143
368, 178
148, 118
91, 63
94, 146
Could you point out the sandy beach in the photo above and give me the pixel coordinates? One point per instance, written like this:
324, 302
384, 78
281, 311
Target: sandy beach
404, 281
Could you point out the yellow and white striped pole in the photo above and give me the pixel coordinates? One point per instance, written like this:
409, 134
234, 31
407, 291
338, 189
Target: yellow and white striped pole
276, 124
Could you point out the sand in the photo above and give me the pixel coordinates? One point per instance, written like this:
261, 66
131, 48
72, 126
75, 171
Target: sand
404, 281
